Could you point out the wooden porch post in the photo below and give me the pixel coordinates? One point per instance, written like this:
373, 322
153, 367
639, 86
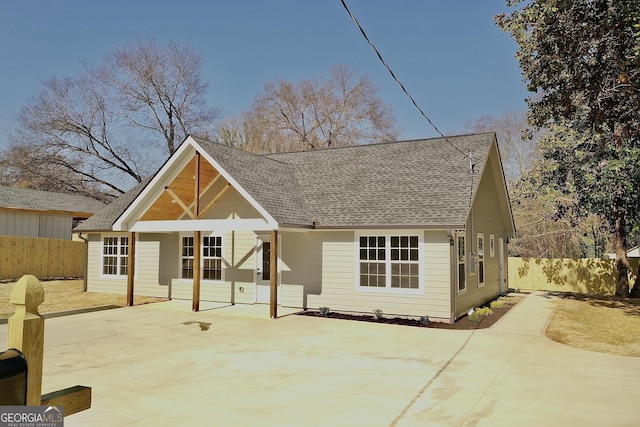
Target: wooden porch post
195, 305
273, 281
131, 267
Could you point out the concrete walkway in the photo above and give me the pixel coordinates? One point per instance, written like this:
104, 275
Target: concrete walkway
162, 365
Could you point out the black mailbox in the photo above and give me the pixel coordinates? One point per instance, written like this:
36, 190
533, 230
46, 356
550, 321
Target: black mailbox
13, 378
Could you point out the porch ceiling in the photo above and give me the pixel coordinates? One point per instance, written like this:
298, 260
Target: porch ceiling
183, 186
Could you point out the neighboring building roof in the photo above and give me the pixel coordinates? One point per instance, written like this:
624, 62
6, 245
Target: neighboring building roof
418, 183
43, 201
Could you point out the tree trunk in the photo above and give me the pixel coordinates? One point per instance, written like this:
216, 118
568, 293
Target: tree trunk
635, 291
622, 262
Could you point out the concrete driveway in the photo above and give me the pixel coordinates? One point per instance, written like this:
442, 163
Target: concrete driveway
162, 365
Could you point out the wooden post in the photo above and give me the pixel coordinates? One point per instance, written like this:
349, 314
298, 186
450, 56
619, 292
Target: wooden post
26, 332
273, 281
131, 267
195, 305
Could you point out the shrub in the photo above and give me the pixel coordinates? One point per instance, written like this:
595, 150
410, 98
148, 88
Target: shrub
480, 313
424, 320
324, 311
494, 305
377, 314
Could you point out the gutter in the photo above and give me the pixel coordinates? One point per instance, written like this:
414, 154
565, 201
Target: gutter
86, 261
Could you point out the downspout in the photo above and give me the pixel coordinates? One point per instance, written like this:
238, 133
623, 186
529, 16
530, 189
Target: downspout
453, 265
86, 261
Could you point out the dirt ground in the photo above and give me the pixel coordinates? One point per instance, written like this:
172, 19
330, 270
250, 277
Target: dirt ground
507, 303
65, 295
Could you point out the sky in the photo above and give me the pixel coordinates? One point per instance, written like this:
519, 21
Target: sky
449, 54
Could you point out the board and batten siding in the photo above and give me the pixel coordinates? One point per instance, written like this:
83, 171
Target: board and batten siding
34, 224
319, 269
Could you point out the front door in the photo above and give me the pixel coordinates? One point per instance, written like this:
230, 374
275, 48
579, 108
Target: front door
263, 270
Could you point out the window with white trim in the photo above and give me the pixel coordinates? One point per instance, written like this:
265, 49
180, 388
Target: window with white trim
389, 262
480, 259
212, 258
186, 271
492, 245
115, 255
462, 262
210, 255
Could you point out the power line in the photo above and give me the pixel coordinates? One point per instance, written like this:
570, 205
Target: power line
406, 92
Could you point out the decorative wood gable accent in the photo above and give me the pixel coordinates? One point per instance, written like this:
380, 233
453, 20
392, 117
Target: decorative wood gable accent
182, 195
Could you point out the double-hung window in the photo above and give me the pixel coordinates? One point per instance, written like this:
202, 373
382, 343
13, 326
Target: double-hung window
462, 262
389, 262
115, 255
211, 257
480, 259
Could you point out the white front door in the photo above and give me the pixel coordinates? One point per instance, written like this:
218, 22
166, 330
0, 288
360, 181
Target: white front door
263, 270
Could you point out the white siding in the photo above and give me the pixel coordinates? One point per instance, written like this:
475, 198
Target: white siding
319, 269
96, 282
239, 273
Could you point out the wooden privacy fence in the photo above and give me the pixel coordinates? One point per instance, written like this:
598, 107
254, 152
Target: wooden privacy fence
581, 275
41, 257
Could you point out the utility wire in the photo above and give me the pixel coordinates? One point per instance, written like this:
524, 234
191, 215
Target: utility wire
406, 92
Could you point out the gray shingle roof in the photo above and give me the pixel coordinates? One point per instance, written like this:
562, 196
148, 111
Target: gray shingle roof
36, 200
423, 183
104, 219
270, 182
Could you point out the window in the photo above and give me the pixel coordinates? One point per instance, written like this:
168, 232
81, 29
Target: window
211, 257
389, 262
115, 255
187, 257
404, 262
462, 272
480, 259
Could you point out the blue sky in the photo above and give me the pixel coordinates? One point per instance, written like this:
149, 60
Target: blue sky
448, 53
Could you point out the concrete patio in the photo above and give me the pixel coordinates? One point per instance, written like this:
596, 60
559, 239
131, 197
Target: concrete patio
163, 365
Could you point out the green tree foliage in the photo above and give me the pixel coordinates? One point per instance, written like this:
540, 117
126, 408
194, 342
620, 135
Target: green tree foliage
582, 60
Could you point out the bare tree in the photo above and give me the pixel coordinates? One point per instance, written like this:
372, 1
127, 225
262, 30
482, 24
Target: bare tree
314, 113
517, 140
96, 134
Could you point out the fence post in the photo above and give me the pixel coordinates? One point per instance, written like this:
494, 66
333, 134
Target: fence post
26, 332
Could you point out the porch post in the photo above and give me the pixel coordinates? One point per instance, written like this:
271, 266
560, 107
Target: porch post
195, 304
273, 281
131, 267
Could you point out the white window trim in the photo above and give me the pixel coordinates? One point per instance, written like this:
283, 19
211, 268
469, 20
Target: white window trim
465, 263
481, 256
203, 234
492, 245
116, 276
388, 234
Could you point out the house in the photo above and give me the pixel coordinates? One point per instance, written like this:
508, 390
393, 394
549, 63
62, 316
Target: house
413, 228
633, 252
34, 213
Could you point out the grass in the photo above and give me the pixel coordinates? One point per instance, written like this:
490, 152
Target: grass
605, 324
64, 295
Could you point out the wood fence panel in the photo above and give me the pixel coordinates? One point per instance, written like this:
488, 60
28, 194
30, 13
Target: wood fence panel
581, 275
41, 257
